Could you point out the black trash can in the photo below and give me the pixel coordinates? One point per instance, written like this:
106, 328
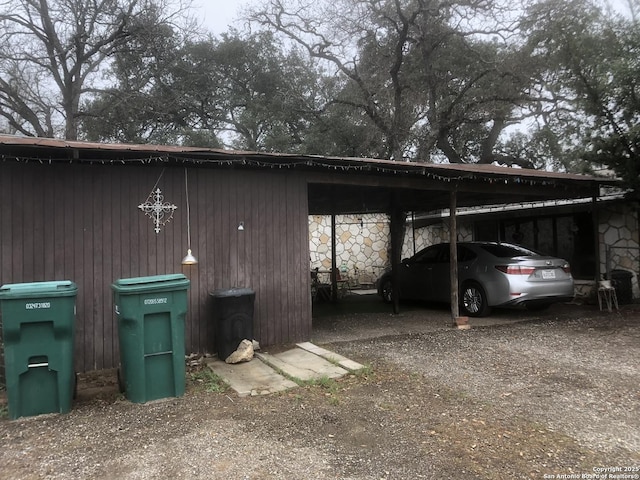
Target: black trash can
621, 281
233, 315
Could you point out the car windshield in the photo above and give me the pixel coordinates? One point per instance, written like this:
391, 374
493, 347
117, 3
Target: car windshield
507, 251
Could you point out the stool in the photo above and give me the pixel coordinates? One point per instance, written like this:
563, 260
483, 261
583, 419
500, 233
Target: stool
607, 293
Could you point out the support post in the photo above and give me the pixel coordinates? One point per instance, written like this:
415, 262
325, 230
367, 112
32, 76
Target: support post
413, 230
461, 322
397, 236
334, 277
595, 218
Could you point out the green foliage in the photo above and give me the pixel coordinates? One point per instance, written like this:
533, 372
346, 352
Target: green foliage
244, 90
365, 372
417, 80
53, 53
399, 79
593, 78
329, 385
209, 381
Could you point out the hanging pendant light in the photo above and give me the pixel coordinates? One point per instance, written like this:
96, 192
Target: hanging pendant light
189, 259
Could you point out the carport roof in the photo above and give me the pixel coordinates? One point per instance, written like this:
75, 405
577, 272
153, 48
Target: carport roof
336, 184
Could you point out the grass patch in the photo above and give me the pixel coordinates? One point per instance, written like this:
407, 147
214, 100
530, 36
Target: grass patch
323, 382
329, 384
365, 372
4, 411
208, 381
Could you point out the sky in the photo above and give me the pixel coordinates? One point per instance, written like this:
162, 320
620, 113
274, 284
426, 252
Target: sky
217, 15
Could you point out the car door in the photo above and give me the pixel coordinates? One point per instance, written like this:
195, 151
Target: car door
441, 271
440, 276
416, 274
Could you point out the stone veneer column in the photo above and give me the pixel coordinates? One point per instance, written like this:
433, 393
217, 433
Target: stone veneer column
618, 230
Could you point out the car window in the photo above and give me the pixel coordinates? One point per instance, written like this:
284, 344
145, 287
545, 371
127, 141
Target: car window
507, 251
441, 254
465, 254
428, 255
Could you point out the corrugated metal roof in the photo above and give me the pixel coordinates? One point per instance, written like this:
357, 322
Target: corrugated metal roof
92, 151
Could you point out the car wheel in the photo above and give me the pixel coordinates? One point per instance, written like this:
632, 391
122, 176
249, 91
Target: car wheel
386, 290
474, 300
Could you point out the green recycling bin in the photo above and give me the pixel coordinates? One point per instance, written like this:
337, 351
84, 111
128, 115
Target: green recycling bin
38, 325
151, 313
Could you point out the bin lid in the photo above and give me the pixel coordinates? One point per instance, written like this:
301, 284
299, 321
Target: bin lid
174, 281
64, 288
231, 292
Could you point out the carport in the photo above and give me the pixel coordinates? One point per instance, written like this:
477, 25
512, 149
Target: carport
398, 189
72, 210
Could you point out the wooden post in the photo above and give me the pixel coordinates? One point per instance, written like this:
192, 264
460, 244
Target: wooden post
397, 237
461, 322
595, 219
413, 230
453, 252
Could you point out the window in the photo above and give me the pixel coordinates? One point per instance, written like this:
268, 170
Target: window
507, 251
465, 254
431, 254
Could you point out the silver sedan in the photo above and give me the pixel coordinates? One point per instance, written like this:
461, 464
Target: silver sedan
489, 274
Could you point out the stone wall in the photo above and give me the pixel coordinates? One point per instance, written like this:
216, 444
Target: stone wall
433, 234
362, 243
619, 241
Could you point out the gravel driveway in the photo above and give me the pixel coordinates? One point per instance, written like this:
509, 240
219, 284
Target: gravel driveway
529, 396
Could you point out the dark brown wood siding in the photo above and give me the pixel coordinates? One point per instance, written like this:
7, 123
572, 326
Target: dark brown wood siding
82, 223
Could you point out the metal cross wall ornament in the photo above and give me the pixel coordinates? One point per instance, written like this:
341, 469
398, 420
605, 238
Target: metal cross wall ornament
156, 209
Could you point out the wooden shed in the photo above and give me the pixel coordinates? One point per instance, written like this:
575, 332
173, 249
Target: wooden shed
75, 211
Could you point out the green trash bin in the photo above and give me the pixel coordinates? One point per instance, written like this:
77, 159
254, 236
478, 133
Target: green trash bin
151, 313
38, 325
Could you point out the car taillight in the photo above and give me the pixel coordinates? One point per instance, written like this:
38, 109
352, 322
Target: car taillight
566, 268
515, 269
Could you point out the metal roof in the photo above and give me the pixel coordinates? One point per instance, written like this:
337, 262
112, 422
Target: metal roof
336, 184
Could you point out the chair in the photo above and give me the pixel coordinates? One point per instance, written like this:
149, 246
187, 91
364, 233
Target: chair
342, 282
319, 291
607, 293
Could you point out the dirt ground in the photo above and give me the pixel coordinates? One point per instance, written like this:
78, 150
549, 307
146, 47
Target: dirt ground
545, 395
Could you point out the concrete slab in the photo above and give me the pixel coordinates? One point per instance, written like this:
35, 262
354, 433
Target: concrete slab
331, 356
261, 376
251, 378
302, 364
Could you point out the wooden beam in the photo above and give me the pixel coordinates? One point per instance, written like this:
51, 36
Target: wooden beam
554, 188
